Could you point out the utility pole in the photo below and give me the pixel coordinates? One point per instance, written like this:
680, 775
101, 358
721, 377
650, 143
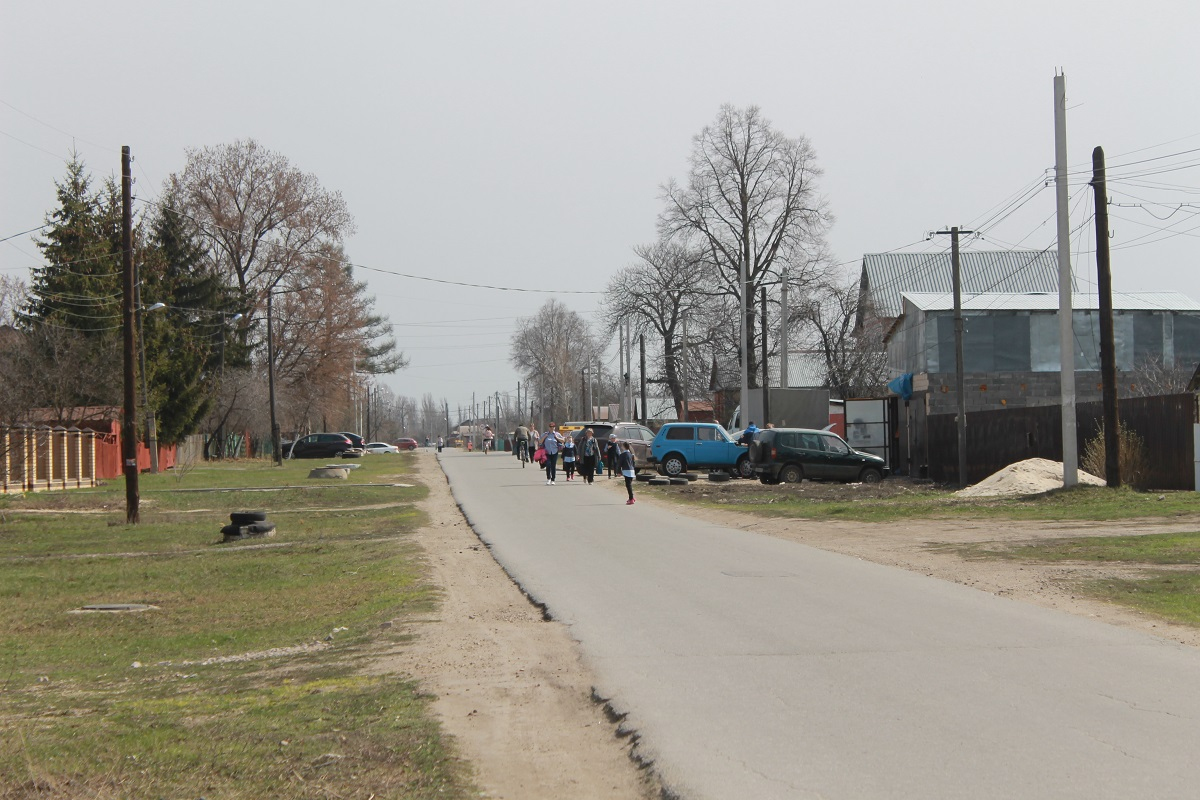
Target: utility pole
1108, 356
684, 350
744, 352
766, 367
151, 434
1066, 333
783, 330
959, 379
276, 445
642, 375
621, 369
129, 420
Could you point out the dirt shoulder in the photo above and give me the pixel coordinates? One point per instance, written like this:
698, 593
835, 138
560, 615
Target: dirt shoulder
509, 685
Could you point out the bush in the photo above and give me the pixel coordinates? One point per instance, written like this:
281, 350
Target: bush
1132, 456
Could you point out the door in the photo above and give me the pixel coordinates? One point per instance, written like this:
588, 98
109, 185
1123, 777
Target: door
841, 462
710, 447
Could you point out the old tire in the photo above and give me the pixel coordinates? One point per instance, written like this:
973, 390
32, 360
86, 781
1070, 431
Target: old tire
247, 517
659, 481
644, 476
766, 481
679, 481
791, 473
691, 476
870, 475
718, 477
674, 465
743, 468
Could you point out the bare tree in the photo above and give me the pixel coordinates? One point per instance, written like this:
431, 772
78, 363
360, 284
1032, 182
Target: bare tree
668, 284
855, 364
751, 200
14, 295
261, 216
1151, 376
550, 350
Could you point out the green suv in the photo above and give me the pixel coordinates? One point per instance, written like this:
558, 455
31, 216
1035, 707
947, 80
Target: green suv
789, 455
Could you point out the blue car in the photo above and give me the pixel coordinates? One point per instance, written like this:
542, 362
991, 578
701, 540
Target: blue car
680, 446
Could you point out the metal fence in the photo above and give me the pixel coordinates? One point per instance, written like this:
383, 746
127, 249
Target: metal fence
42, 458
996, 439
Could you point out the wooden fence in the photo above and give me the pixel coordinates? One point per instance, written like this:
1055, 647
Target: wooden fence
42, 458
996, 439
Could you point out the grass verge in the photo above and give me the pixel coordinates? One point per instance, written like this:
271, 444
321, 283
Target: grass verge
242, 681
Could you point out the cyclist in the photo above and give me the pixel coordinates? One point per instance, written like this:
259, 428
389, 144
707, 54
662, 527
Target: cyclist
488, 438
522, 444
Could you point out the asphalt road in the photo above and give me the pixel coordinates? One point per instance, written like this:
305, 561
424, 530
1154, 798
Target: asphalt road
753, 667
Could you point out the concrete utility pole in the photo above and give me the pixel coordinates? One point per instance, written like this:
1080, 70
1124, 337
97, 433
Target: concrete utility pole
642, 376
129, 348
276, 444
766, 366
1108, 356
783, 330
744, 352
684, 350
959, 379
1066, 335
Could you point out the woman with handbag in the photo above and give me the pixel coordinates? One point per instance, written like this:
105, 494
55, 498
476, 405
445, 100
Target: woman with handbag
550, 443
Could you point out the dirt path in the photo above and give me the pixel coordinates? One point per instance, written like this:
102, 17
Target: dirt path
511, 688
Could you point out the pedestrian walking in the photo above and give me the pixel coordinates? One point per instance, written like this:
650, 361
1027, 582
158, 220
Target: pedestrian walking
628, 469
441, 443
568, 457
535, 439
589, 454
551, 442
611, 452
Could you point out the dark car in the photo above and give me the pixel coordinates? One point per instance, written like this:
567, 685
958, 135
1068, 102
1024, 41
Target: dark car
322, 445
355, 439
638, 436
789, 455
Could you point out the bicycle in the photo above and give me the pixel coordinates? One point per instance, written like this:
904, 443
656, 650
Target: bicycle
523, 452
487, 446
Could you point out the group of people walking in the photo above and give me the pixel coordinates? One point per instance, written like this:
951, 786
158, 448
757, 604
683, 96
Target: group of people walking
582, 457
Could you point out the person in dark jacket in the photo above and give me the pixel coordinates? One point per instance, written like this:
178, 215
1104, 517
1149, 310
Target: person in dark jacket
589, 454
611, 451
628, 469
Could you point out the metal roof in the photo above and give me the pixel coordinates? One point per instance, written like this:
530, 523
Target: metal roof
1048, 301
886, 275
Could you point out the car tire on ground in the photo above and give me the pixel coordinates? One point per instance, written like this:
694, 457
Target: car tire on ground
870, 475
691, 476
659, 481
719, 477
767, 481
679, 481
643, 477
247, 517
792, 473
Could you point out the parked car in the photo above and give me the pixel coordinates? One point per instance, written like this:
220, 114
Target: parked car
407, 444
322, 445
355, 439
639, 437
381, 448
680, 446
789, 455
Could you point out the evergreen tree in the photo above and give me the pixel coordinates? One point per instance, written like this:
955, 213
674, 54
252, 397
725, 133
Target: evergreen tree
184, 347
79, 287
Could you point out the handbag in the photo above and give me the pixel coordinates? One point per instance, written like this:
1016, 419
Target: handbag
539, 455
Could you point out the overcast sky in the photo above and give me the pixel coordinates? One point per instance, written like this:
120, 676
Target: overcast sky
524, 144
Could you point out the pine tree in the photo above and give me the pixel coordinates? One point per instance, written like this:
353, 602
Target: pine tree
183, 342
79, 287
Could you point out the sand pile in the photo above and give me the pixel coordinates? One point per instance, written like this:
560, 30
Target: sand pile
1031, 476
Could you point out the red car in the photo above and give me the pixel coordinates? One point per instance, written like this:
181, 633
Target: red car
406, 444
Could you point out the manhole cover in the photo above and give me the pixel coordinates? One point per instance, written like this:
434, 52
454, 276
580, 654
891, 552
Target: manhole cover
114, 608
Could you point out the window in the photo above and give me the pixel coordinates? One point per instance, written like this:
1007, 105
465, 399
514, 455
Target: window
709, 435
790, 439
834, 445
681, 433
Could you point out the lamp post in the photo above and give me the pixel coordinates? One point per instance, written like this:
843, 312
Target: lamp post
151, 432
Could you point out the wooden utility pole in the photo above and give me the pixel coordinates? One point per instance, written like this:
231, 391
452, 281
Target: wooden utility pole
686, 387
1108, 355
129, 349
959, 379
784, 314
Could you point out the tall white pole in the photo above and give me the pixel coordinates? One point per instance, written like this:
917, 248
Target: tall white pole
686, 386
745, 388
1066, 338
